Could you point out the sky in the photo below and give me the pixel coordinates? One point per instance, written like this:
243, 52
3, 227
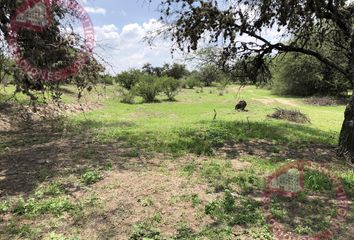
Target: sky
120, 26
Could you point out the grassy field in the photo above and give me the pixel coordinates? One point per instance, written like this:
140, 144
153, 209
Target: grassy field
168, 170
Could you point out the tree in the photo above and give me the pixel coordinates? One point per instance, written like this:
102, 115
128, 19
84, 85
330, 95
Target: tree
240, 25
300, 75
50, 49
128, 79
210, 74
177, 71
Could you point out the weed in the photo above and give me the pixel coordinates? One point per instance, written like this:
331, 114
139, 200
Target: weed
108, 167
91, 176
248, 181
189, 169
195, 200
316, 181
245, 212
4, 207
24, 231
147, 202
146, 231
33, 207
52, 189
157, 217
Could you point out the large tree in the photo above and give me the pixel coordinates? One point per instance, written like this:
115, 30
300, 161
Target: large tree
239, 26
58, 47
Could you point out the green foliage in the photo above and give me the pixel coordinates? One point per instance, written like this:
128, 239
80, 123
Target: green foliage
317, 181
243, 212
126, 96
170, 87
148, 87
24, 231
176, 71
189, 169
55, 206
145, 230
91, 176
107, 79
128, 79
4, 207
302, 75
191, 81
348, 183
248, 181
210, 74
53, 189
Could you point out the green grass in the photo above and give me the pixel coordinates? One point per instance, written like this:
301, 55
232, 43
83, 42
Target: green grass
176, 129
186, 126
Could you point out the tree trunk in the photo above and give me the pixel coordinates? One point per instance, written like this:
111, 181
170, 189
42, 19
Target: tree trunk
346, 137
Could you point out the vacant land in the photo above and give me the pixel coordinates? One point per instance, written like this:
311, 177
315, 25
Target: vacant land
167, 170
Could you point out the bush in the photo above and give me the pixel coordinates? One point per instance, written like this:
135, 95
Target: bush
106, 79
191, 82
170, 87
91, 176
128, 79
126, 96
148, 87
302, 75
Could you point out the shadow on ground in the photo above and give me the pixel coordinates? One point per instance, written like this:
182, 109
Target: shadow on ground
30, 156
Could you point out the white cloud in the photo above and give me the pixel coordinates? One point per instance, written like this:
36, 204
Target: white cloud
96, 10
124, 48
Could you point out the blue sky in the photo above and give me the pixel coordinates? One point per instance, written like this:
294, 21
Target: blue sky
122, 12
120, 26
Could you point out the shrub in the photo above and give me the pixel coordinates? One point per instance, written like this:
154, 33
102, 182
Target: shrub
126, 96
302, 75
170, 87
128, 79
191, 82
148, 87
106, 79
290, 115
91, 176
